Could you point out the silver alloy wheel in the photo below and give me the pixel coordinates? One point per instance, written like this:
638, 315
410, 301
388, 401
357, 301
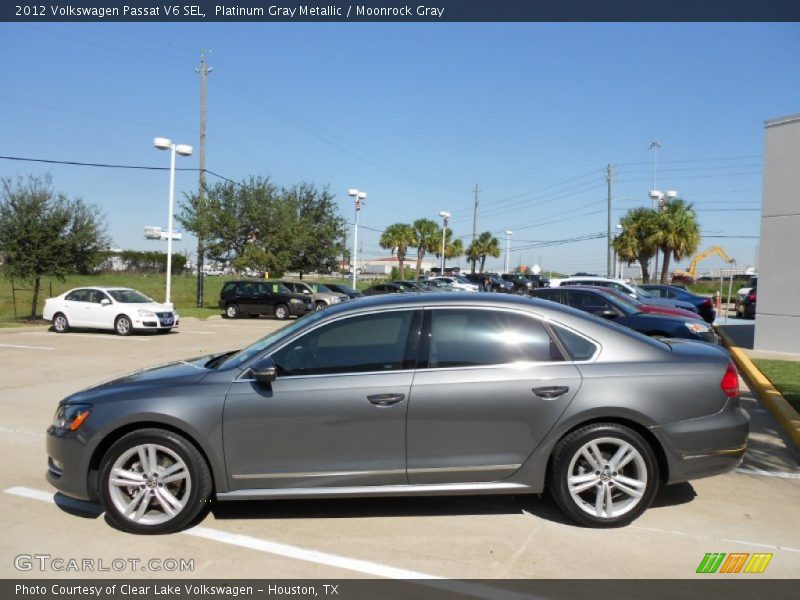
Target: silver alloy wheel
123, 326
607, 477
60, 323
321, 305
232, 311
281, 312
149, 484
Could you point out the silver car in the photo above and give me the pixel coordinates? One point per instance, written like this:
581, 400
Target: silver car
408, 394
323, 296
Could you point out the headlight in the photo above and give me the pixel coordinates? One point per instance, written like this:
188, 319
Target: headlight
146, 313
71, 416
295, 300
335, 300
697, 327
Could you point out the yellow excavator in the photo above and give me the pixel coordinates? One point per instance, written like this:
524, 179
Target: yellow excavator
690, 274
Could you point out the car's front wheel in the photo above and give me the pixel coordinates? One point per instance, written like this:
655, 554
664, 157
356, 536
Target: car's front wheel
281, 312
320, 305
154, 481
232, 311
60, 323
603, 475
123, 325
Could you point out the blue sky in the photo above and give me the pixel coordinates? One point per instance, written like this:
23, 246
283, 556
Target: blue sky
415, 115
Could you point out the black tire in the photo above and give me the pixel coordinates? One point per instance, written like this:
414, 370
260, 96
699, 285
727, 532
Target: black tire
194, 491
281, 312
569, 461
60, 323
123, 325
232, 311
320, 305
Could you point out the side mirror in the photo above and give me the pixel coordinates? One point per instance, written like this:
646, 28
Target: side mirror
306, 291
105, 302
607, 313
264, 370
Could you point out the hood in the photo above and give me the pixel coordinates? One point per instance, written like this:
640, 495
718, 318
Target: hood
176, 373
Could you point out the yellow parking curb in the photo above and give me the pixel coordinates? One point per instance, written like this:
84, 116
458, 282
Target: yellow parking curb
784, 413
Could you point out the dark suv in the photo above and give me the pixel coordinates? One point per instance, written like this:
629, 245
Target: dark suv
495, 283
522, 282
254, 298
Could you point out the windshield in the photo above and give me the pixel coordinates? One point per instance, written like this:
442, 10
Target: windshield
256, 348
129, 297
629, 308
345, 289
642, 292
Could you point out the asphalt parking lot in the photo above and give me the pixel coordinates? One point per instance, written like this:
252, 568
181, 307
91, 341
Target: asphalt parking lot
751, 510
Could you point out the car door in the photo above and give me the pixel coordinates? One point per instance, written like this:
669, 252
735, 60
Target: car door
76, 307
490, 384
336, 413
99, 315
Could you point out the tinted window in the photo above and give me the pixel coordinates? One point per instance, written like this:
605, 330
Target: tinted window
587, 302
97, 296
466, 338
129, 297
229, 287
375, 342
78, 296
579, 347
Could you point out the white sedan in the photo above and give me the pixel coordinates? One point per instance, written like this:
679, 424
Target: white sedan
460, 284
122, 310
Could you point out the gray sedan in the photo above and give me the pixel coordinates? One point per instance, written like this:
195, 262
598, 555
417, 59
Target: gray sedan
408, 394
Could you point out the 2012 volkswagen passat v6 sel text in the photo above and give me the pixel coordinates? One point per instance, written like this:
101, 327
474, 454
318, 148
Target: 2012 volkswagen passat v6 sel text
408, 394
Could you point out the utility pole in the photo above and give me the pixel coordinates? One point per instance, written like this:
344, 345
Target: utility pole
475, 211
204, 71
610, 240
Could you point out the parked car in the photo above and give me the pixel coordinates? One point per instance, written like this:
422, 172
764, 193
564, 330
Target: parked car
122, 310
745, 289
631, 289
255, 298
746, 307
521, 282
340, 288
643, 307
384, 288
411, 286
703, 304
407, 394
322, 295
601, 303
458, 282
491, 281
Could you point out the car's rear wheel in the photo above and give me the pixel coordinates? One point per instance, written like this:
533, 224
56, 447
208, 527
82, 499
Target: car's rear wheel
281, 312
603, 475
154, 481
123, 325
232, 311
60, 323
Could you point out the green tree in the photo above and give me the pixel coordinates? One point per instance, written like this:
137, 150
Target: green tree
427, 236
485, 245
398, 238
42, 232
636, 241
317, 229
677, 233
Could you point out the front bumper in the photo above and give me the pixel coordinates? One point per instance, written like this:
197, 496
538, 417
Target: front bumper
706, 446
68, 463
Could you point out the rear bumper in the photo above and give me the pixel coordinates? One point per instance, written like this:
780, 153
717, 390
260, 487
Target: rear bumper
706, 446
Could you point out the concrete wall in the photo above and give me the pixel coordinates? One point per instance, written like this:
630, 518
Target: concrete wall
778, 306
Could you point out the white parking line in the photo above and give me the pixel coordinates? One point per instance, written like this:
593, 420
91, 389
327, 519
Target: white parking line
25, 347
761, 472
711, 537
21, 432
94, 336
199, 332
320, 558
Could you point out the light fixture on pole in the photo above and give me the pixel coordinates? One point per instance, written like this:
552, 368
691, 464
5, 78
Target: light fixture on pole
508, 247
358, 197
183, 150
445, 217
660, 200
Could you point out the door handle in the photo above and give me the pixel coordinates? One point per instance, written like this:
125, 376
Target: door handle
385, 399
550, 392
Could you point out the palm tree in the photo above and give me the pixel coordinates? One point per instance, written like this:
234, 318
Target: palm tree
452, 248
635, 243
677, 233
485, 245
427, 237
398, 238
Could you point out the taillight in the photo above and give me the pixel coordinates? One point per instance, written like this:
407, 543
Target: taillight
752, 297
730, 382
707, 302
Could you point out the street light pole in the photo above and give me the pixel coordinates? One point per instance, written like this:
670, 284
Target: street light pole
183, 150
445, 216
508, 248
358, 197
